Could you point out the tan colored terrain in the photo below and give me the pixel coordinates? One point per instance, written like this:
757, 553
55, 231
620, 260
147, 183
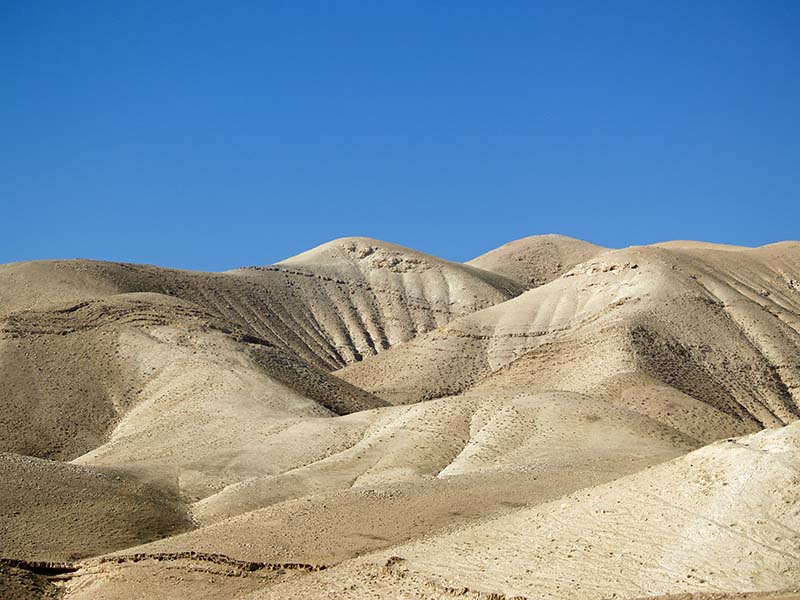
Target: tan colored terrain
330, 306
363, 420
716, 326
536, 260
55, 511
23, 584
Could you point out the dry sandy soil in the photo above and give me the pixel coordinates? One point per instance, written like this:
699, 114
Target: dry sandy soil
551, 420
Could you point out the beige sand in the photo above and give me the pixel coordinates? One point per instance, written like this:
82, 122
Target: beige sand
363, 420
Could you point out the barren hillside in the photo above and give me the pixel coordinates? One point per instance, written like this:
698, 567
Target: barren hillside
693, 331
330, 306
552, 420
536, 260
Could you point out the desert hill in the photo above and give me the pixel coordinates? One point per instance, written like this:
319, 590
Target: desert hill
71, 373
97, 510
331, 306
366, 420
538, 259
730, 526
675, 326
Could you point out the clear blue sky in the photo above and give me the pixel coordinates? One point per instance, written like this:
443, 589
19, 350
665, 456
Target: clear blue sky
212, 135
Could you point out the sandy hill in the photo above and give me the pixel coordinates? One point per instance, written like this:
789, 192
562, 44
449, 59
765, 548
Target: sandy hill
700, 339
574, 440
363, 420
149, 382
69, 374
730, 526
330, 306
55, 511
538, 259
410, 471
727, 527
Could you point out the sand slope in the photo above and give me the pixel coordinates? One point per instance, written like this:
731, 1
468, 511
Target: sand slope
71, 373
415, 470
330, 306
564, 436
536, 260
51, 511
363, 420
730, 526
682, 326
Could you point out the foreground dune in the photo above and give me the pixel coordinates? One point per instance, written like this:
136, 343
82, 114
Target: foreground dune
55, 511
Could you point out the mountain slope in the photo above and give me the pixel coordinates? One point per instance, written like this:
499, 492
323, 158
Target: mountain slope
363, 420
536, 260
411, 471
53, 511
730, 526
70, 374
330, 311
543, 433
685, 327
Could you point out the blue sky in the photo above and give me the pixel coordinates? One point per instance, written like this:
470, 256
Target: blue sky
209, 135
